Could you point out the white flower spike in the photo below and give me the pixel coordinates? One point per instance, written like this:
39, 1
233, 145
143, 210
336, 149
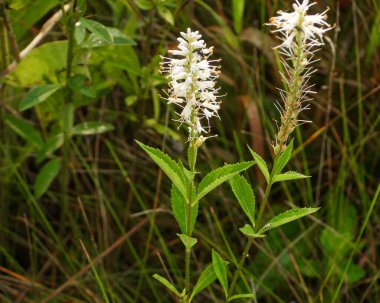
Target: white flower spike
301, 35
192, 82
312, 26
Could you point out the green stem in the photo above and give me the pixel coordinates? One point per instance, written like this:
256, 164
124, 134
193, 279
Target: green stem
240, 267
192, 160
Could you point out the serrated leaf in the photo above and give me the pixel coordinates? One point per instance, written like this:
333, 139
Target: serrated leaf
261, 164
244, 194
38, 95
91, 128
25, 130
286, 217
289, 175
248, 231
205, 279
220, 175
189, 242
98, 29
283, 159
180, 209
46, 176
241, 296
169, 166
166, 283
220, 270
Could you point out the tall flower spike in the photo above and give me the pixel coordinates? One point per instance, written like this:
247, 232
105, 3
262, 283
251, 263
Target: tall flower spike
192, 83
301, 35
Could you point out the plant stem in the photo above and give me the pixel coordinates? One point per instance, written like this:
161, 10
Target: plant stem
192, 160
250, 241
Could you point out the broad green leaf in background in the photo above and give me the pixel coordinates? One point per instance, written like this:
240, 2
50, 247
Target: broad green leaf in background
249, 232
220, 270
98, 29
261, 164
166, 283
144, 4
189, 242
25, 130
289, 175
241, 296
50, 146
118, 38
79, 33
237, 14
244, 194
205, 279
288, 216
91, 128
166, 14
220, 175
180, 208
283, 159
46, 176
38, 95
169, 166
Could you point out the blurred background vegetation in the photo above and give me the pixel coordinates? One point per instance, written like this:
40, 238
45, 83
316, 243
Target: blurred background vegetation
80, 82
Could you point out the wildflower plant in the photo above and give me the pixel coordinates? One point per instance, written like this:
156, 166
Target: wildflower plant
192, 79
301, 35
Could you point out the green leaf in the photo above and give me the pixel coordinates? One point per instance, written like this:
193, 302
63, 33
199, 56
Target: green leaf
189, 242
25, 130
166, 14
237, 14
79, 33
37, 95
98, 29
220, 270
46, 176
169, 166
261, 164
50, 146
283, 159
289, 175
144, 4
91, 128
241, 296
205, 279
118, 38
166, 283
244, 194
288, 216
249, 232
180, 208
220, 175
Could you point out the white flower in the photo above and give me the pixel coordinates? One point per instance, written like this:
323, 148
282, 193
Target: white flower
312, 26
192, 82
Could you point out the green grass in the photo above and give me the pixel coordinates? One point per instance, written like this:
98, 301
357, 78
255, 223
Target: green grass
113, 198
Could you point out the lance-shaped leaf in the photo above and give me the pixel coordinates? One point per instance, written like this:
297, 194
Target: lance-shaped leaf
241, 296
97, 29
286, 217
289, 175
205, 279
220, 270
220, 175
244, 194
46, 176
261, 164
283, 159
91, 128
38, 95
180, 208
165, 282
169, 166
25, 130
